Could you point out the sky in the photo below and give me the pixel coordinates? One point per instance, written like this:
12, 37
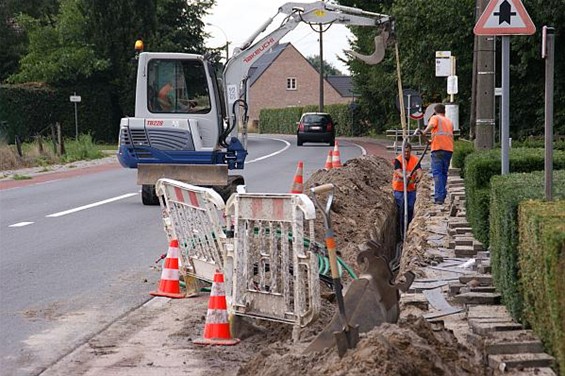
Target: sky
238, 19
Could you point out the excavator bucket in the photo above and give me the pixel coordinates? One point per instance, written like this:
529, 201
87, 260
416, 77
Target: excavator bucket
378, 55
370, 300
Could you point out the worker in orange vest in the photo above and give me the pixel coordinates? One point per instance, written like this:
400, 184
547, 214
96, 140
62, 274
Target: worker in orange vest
413, 176
441, 129
166, 97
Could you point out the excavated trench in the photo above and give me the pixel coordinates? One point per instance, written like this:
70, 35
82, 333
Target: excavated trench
363, 210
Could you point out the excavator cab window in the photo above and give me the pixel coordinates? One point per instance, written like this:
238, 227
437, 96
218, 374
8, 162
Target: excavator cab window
177, 86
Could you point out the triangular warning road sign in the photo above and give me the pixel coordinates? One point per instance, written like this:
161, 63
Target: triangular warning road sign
505, 17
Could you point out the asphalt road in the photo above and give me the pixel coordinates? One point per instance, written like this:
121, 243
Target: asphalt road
78, 253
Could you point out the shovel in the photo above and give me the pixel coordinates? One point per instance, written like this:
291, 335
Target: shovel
348, 336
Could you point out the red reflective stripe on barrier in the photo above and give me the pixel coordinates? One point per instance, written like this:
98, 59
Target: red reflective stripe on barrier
278, 208
178, 194
257, 208
193, 199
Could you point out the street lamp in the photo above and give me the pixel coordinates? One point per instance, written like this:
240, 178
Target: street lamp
225, 36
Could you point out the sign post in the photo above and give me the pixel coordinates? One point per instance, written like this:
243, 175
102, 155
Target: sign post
75, 99
505, 18
548, 53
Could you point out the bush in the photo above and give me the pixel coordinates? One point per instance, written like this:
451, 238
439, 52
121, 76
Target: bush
539, 142
30, 109
482, 165
479, 201
541, 261
461, 149
507, 192
283, 120
82, 149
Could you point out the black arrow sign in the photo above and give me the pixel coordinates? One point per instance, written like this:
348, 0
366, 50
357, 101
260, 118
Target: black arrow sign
505, 13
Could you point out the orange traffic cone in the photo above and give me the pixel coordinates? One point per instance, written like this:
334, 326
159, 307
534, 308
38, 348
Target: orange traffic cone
336, 159
170, 285
217, 328
298, 184
328, 165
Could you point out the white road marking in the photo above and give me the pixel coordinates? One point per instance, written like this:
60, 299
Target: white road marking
363, 151
21, 224
272, 154
94, 204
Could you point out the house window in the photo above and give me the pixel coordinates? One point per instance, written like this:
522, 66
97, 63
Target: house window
291, 83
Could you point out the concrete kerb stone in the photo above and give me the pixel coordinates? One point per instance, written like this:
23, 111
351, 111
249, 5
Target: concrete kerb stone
483, 279
478, 298
484, 328
505, 362
488, 311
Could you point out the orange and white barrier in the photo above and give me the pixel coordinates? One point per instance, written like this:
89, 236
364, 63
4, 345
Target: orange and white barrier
191, 216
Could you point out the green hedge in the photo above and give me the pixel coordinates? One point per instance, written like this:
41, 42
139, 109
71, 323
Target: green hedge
481, 166
507, 192
541, 261
539, 142
28, 110
461, 149
283, 120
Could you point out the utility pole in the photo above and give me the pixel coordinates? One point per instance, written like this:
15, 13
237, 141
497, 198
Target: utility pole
484, 108
472, 108
321, 71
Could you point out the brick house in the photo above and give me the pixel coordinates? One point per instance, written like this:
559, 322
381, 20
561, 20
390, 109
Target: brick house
283, 77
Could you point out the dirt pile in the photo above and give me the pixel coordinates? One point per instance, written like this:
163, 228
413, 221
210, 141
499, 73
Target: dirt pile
411, 347
363, 207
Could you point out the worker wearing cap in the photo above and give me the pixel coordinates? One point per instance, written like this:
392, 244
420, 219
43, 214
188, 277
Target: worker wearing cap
441, 129
413, 176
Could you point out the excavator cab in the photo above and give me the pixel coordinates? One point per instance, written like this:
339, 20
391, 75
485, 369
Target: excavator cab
177, 87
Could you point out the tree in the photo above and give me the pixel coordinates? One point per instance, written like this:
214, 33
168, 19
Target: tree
13, 38
59, 51
179, 25
527, 73
329, 69
421, 29
93, 40
424, 27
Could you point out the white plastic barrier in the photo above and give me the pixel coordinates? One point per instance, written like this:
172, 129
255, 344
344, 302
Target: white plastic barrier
193, 215
268, 268
275, 277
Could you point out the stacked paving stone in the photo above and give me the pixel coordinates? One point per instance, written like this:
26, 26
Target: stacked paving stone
506, 346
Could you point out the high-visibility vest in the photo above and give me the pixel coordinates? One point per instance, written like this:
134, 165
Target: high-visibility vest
164, 99
398, 181
442, 134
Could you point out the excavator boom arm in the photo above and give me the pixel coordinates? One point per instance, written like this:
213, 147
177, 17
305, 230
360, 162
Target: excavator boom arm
237, 68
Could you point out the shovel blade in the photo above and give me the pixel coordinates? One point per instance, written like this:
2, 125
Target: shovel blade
346, 339
364, 311
369, 301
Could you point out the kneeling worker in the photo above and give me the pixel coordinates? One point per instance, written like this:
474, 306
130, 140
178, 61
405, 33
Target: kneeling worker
413, 176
